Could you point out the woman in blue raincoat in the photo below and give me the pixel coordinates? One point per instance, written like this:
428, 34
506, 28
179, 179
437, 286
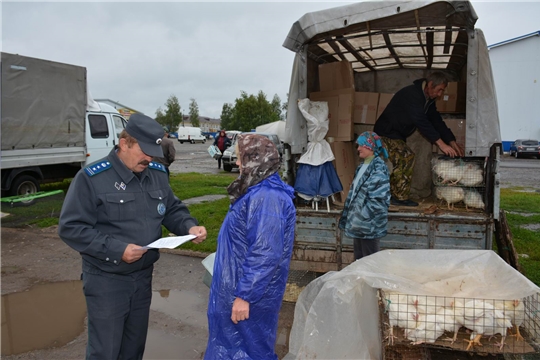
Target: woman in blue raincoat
253, 256
365, 214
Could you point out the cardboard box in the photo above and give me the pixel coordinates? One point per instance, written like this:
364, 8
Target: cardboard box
458, 127
365, 107
340, 112
384, 99
453, 98
345, 163
336, 76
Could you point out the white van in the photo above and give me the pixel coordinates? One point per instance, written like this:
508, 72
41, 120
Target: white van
190, 134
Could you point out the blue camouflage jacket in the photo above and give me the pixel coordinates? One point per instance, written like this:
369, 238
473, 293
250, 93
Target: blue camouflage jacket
365, 214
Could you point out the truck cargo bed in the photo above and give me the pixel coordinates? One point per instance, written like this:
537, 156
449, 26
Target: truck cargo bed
320, 246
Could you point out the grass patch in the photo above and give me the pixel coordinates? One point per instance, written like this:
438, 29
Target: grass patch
516, 204
192, 185
515, 200
210, 215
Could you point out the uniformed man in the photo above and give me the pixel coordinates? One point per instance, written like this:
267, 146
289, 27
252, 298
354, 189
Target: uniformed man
112, 209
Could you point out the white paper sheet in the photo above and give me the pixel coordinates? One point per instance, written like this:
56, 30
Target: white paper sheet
169, 242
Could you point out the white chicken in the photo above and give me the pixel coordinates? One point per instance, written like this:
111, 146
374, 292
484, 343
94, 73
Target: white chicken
515, 311
452, 317
448, 171
482, 318
472, 175
401, 312
428, 329
473, 199
450, 194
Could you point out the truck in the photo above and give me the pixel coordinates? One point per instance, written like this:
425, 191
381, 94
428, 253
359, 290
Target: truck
51, 126
380, 47
190, 134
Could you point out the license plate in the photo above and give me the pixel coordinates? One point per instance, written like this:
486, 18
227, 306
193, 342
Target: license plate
531, 149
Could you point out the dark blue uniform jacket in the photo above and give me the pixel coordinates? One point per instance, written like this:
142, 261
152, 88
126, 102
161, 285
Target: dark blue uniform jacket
107, 207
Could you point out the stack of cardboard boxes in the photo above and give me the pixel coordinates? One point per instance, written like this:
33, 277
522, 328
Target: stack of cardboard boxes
453, 102
346, 108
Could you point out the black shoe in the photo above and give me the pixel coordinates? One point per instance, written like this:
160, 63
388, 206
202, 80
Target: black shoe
394, 201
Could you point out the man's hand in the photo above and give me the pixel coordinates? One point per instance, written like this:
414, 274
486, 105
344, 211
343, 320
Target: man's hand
458, 148
448, 150
133, 253
240, 310
200, 232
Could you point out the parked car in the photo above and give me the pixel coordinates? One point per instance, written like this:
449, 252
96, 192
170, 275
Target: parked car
522, 147
229, 155
173, 135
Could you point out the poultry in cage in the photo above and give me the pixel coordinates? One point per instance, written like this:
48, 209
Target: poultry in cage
401, 312
450, 194
452, 318
482, 318
447, 171
473, 199
472, 175
428, 329
515, 310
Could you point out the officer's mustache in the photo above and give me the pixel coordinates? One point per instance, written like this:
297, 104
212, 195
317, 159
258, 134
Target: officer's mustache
144, 162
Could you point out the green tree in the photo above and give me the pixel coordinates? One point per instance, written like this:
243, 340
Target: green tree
276, 106
172, 115
227, 117
250, 111
160, 117
194, 113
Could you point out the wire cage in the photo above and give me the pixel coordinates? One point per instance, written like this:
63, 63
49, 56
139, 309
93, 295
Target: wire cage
501, 327
296, 282
459, 183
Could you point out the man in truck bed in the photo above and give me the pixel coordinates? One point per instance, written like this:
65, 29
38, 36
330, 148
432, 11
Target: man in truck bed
411, 108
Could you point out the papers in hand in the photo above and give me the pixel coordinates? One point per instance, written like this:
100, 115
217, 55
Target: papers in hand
169, 242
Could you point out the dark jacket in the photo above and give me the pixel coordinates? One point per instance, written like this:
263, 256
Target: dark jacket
223, 144
107, 207
409, 110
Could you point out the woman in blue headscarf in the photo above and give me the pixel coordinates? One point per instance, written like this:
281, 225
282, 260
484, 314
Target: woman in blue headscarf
365, 214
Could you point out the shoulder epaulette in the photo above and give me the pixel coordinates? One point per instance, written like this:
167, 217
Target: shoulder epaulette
97, 168
157, 166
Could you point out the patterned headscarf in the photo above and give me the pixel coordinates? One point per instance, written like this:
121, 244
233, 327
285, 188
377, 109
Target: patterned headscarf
373, 142
259, 158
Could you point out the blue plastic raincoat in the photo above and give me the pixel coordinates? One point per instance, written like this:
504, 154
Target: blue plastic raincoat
252, 262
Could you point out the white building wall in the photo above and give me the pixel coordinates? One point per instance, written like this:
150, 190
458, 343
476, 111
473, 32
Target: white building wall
516, 70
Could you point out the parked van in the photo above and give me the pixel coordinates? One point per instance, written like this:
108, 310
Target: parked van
190, 134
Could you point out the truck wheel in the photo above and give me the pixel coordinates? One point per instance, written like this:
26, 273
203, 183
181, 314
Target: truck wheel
181, 142
227, 167
193, 141
23, 185
204, 141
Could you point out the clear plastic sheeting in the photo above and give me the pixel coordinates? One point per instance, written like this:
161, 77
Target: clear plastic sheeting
337, 315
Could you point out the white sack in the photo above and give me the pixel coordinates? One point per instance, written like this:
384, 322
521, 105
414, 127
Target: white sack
318, 149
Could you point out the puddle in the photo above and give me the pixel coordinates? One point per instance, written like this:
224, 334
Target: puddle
188, 307
532, 227
45, 316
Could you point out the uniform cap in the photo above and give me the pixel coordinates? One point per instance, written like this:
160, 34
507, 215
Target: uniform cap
147, 132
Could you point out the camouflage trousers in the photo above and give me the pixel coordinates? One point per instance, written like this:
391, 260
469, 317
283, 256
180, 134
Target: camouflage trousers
402, 158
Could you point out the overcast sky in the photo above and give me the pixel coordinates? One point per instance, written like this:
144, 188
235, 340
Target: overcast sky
138, 54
